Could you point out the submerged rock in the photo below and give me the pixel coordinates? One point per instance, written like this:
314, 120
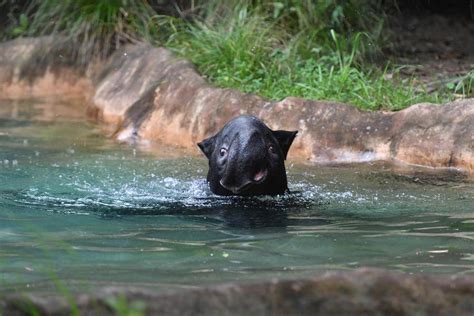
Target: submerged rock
144, 92
361, 292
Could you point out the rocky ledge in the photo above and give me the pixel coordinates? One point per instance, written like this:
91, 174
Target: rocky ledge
361, 292
147, 93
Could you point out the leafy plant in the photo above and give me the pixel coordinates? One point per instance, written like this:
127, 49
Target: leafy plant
465, 85
22, 27
311, 49
95, 27
245, 47
122, 307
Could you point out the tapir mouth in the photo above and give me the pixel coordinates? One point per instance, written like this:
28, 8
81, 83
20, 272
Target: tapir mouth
260, 176
237, 190
257, 178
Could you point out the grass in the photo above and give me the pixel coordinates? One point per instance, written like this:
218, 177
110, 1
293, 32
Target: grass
464, 86
312, 49
94, 27
122, 307
246, 49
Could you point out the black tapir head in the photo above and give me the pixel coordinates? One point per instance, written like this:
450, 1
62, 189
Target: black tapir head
247, 158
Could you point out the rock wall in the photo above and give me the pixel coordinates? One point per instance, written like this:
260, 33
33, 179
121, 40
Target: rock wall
147, 93
361, 292
42, 67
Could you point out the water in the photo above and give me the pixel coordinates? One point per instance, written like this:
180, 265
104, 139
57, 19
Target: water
78, 211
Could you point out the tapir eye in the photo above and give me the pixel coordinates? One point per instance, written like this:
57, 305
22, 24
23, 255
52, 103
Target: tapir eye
223, 152
271, 149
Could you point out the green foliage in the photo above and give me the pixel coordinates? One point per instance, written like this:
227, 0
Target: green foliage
22, 27
459, 86
465, 86
236, 47
311, 49
313, 20
253, 49
95, 27
122, 307
27, 307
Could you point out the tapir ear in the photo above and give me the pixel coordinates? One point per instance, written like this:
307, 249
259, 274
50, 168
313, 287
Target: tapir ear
207, 146
285, 139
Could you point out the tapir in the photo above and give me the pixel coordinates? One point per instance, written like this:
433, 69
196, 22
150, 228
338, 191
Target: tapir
247, 158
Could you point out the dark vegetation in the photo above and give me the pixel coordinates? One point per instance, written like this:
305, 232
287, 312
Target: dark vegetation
328, 49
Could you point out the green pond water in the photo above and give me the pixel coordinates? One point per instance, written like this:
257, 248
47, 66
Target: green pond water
78, 212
